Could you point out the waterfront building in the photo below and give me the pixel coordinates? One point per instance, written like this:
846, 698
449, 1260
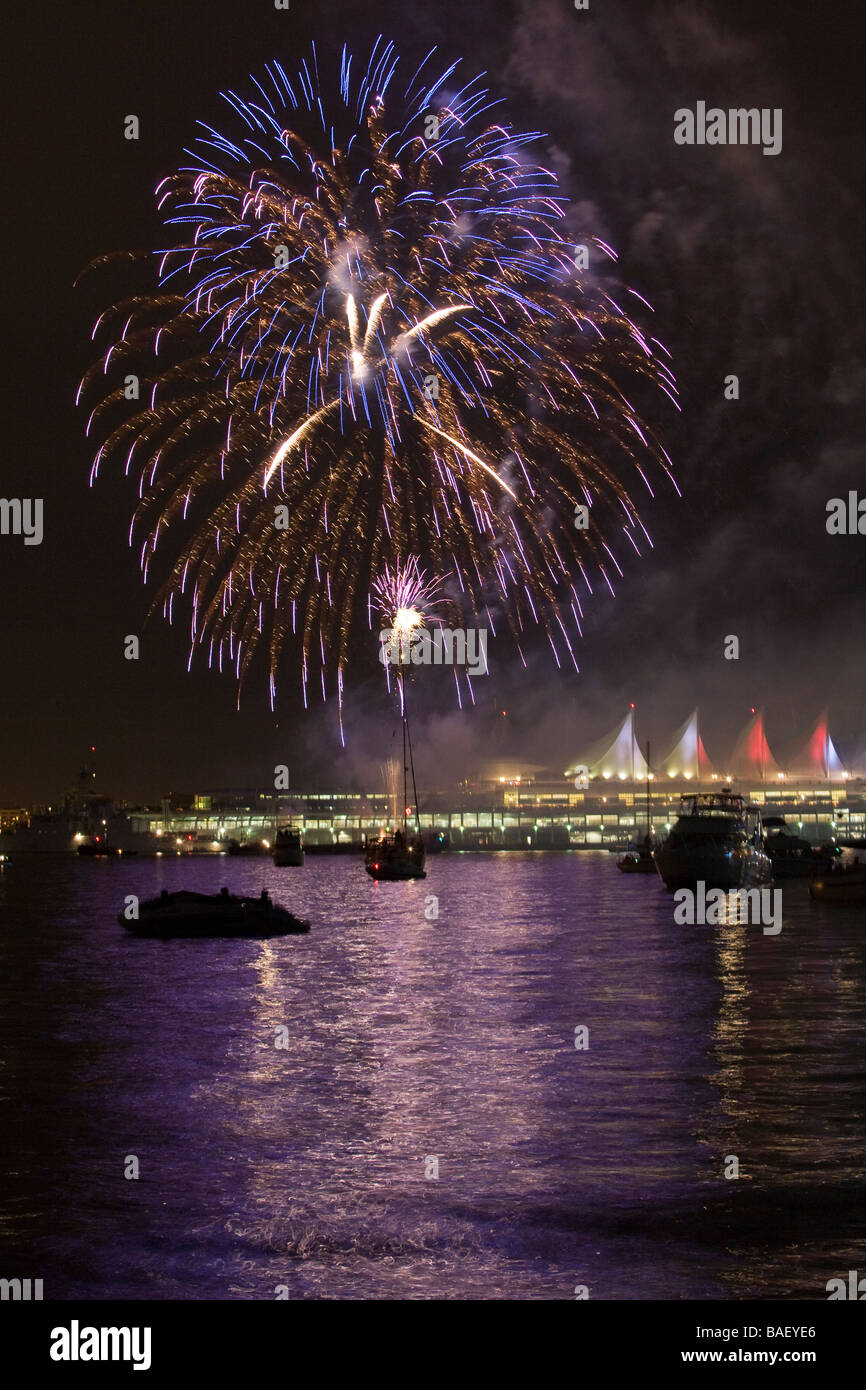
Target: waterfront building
506, 812
599, 801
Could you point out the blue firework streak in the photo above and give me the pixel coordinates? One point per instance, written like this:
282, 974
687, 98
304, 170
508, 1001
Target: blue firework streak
370, 341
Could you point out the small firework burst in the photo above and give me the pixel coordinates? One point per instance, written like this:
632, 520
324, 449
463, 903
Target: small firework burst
404, 595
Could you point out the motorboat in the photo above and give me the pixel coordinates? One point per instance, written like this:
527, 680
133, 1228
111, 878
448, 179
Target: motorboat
640, 859
218, 914
717, 840
288, 848
792, 856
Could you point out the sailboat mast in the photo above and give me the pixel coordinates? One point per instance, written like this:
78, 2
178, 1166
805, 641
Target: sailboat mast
648, 825
407, 742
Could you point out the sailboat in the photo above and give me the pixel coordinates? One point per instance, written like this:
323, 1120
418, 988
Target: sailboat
640, 859
402, 854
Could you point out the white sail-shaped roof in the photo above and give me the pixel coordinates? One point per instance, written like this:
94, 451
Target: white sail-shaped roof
688, 757
617, 755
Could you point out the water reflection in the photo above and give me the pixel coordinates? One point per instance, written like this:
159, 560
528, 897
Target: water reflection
408, 1038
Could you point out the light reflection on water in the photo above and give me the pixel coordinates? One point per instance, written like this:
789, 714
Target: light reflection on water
408, 1038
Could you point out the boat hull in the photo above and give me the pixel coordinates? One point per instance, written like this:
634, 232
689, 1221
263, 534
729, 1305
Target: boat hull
198, 915
794, 866
288, 858
394, 871
716, 868
637, 864
388, 860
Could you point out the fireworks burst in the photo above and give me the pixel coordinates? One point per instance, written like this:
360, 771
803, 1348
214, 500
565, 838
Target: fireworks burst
370, 340
405, 598
403, 594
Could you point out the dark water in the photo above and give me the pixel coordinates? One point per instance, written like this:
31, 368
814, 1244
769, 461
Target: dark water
410, 1038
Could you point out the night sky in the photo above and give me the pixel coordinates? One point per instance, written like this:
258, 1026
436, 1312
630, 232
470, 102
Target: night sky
752, 263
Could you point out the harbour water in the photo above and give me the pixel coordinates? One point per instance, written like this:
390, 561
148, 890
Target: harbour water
415, 1043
